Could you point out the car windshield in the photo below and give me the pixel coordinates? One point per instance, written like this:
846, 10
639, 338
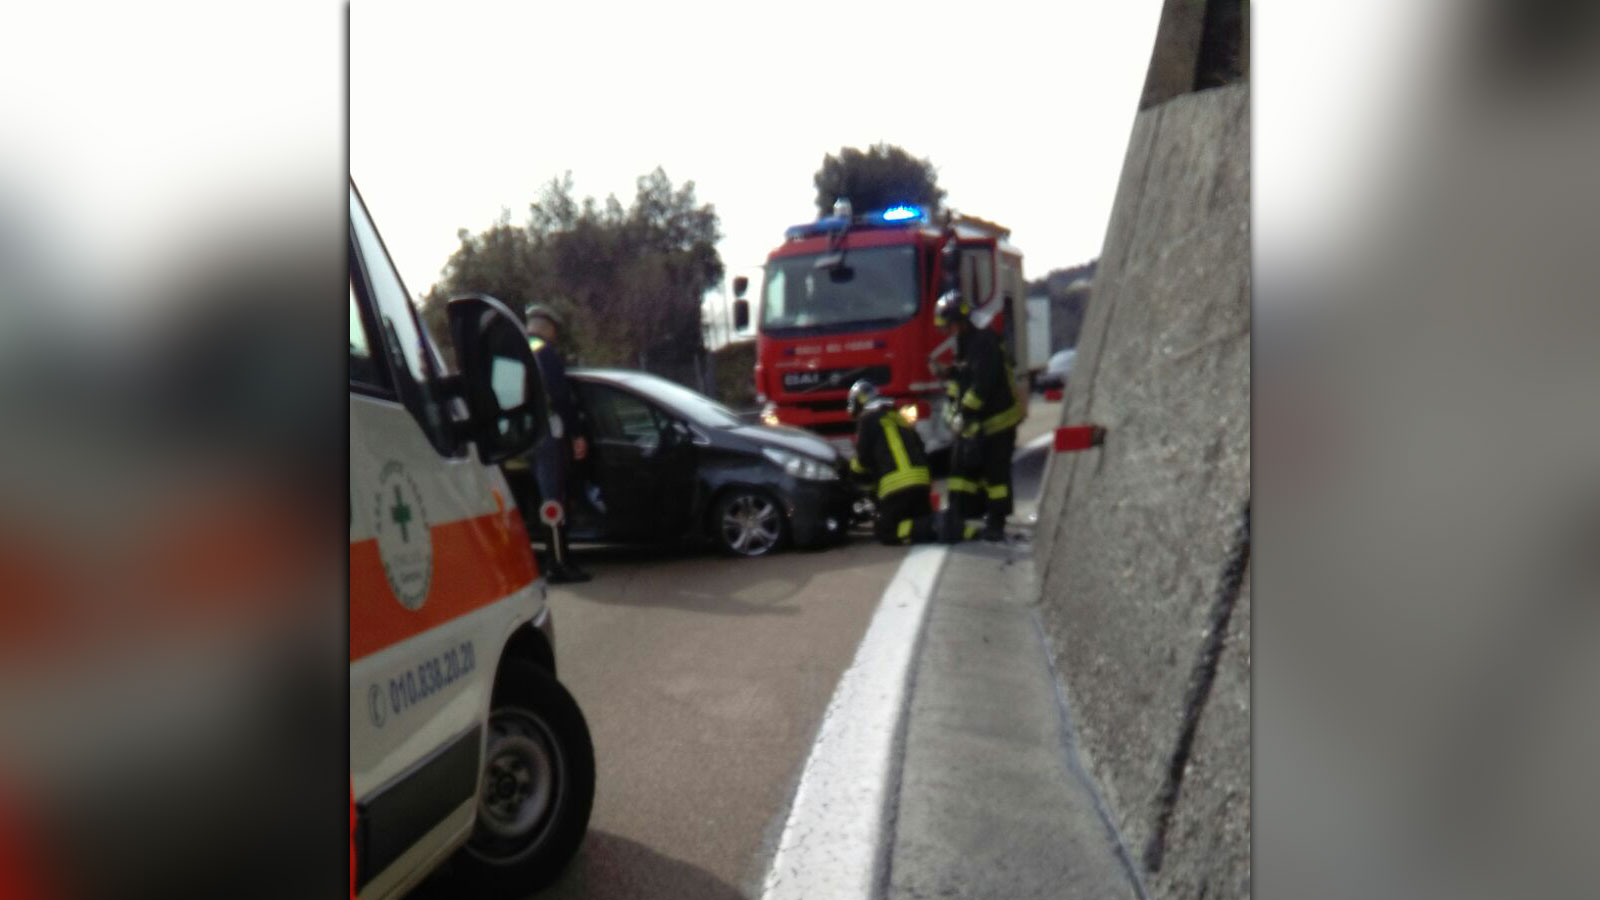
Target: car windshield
877, 284
698, 407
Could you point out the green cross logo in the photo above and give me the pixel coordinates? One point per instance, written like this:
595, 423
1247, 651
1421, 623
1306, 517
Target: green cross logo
400, 512
407, 562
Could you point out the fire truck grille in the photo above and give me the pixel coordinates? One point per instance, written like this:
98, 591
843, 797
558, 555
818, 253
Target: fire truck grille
806, 381
833, 428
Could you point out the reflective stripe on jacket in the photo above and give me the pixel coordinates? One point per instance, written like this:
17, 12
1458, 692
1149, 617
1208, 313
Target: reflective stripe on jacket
889, 451
990, 400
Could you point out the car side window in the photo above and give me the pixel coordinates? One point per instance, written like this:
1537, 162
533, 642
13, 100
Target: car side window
621, 417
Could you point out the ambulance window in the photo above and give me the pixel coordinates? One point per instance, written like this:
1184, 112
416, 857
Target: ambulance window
389, 296
411, 359
364, 369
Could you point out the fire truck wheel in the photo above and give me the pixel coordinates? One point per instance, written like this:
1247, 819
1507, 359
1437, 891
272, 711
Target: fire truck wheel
747, 522
538, 785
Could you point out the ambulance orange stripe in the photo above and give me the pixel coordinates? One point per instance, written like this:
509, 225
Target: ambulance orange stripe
475, 562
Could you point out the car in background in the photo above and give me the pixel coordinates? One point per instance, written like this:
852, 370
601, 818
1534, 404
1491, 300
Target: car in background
1056, 371
671, 464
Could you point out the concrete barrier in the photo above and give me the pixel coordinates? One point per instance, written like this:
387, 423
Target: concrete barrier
1143, 543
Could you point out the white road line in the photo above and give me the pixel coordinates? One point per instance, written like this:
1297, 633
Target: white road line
1040, 441
829, 848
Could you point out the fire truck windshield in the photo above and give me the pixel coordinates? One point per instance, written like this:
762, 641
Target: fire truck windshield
875, 285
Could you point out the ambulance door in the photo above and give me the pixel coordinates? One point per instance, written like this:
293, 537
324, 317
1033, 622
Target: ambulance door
431, 571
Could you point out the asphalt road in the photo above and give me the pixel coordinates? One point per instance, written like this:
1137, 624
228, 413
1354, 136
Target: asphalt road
704, 680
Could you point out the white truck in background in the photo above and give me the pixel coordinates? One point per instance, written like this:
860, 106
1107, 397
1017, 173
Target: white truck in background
1038, 336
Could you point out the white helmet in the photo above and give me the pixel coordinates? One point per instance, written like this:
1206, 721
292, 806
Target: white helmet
862, 394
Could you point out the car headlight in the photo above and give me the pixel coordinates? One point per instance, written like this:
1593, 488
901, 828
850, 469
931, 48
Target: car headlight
800, 465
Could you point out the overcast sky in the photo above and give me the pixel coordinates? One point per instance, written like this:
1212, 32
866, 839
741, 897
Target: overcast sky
458, 110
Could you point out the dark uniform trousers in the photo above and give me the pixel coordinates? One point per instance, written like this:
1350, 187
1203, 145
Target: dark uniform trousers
982, 486
990, 413
889, 453
996, 482
906, 517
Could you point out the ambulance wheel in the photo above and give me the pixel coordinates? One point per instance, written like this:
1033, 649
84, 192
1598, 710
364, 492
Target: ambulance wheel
538, 785
747, 522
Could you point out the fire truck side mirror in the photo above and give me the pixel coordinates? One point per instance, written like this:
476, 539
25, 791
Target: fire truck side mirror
499, 378
741, 315
740, 285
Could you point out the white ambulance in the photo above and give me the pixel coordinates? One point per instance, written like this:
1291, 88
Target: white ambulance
462, 742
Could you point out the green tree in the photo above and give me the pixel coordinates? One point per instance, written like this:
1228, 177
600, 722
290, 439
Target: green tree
882, 176
629, 281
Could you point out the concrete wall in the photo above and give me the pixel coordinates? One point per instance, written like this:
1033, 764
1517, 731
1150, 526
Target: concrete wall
1143, 544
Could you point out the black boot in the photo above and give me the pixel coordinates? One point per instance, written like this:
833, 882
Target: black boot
950, 526
994, 528
566, 575
562, 569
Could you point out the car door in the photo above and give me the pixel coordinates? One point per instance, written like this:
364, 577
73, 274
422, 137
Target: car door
642, 461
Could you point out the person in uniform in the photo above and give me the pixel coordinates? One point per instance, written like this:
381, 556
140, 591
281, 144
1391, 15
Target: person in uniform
963, 486
890, 457
989, 410
552, 457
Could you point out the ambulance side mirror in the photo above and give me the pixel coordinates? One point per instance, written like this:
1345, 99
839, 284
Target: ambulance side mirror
499, 379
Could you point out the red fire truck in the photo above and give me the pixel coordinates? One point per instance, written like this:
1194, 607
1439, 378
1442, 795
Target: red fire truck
851, 296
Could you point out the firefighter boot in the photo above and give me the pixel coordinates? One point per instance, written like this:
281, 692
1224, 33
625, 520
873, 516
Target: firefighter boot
994, 527
949, 520
925, 529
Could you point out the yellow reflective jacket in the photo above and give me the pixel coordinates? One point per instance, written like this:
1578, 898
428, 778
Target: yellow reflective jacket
889, 451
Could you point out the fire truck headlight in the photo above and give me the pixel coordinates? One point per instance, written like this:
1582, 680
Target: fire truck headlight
769, 415
909, 413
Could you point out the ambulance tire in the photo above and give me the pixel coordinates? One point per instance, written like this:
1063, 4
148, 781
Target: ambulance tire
536, 729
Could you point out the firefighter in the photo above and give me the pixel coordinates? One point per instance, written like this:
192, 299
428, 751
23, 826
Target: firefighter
890, 456
989, 409
552, 457
964, 484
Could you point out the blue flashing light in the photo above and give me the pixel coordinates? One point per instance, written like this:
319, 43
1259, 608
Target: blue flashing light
894, 215
820, 226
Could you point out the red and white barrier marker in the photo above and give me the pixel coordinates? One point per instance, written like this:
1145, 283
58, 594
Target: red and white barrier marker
1079, 437
551, 513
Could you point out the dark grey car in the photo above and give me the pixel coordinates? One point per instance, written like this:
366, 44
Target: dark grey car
672, 464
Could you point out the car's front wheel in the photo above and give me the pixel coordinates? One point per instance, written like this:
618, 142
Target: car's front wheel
538, 785
748, 522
